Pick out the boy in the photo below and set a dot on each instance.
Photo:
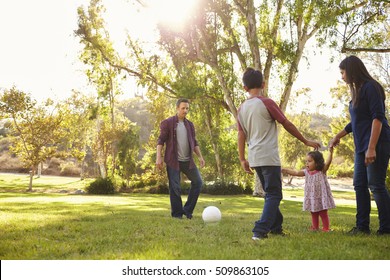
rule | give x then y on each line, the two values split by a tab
256	120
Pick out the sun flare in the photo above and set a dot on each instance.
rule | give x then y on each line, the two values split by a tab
173	12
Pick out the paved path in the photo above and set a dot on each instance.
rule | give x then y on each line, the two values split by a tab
339	184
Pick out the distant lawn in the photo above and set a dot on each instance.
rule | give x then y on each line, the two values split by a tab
49	224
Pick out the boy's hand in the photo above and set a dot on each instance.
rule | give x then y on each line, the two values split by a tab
316	145
245	166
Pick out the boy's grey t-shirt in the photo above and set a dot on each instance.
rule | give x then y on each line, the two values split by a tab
183	147
257	118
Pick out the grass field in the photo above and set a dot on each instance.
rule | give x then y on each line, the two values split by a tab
54	223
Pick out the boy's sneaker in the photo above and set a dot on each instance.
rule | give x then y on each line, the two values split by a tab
259	236
358	231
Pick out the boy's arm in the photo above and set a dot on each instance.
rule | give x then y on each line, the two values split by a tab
288	171
241	152
292	129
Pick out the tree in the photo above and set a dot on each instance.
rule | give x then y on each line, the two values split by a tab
78	123
128	150
366	29
205	60
293	153
37	128
98	50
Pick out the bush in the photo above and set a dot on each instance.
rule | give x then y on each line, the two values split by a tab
70	169
223	188
101	186
159	189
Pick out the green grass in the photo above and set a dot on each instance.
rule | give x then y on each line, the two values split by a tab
49	225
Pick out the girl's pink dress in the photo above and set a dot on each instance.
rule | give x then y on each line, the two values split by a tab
318	195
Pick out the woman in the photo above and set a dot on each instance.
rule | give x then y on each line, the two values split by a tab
371	134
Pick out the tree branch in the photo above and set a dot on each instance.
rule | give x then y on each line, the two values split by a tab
346	49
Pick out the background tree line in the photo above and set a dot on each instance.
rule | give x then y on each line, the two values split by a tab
203	62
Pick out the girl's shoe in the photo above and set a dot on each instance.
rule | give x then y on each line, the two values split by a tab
313	228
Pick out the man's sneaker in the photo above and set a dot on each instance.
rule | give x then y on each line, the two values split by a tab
358	231
259	236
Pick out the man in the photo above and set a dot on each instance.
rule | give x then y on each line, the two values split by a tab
178	134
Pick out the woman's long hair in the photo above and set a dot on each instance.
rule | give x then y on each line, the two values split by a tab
356	75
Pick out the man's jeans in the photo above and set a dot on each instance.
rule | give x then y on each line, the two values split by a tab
372	177
177	209
271	218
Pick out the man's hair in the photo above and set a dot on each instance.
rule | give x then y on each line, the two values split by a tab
318	159
181	100
252	78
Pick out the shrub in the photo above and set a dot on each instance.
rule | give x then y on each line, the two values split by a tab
101	186
223	188
70	169
159	189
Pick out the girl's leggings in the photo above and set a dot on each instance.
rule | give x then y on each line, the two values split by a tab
324	218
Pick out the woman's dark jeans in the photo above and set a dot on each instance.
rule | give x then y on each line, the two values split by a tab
372	177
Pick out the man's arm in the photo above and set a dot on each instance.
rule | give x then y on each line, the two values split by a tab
159	158
200	157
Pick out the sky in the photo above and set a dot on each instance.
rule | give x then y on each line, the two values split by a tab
39	52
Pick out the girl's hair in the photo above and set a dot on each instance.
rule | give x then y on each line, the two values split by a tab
252	78
318	159
356	75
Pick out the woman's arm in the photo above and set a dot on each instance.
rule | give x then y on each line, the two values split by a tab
336	140
375	132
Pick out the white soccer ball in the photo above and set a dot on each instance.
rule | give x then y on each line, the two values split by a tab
211	214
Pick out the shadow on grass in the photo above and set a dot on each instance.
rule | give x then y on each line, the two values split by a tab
140	227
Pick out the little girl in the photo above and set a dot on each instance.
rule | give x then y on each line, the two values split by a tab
318	196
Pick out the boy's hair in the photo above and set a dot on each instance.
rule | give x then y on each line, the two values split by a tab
252	78
181	100
318	159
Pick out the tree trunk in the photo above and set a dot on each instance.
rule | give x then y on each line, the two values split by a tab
32	173
292	73
40	167
214	143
